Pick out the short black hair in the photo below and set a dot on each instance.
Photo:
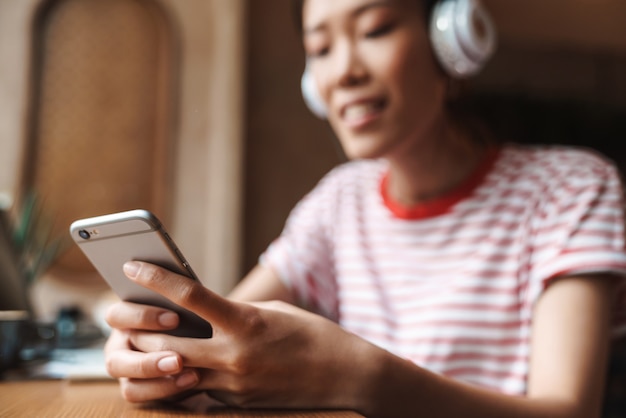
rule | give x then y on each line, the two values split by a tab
298	5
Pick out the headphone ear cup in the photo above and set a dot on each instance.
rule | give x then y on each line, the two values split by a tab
311	95
463	36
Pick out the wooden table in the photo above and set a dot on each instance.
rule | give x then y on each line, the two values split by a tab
60	398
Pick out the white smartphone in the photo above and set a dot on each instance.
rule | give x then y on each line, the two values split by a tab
109	241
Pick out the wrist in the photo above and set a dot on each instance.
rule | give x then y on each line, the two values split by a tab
383	384
360	375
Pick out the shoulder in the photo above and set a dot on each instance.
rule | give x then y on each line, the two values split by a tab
556	164
557	156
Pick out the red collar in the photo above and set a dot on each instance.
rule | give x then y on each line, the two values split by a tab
443	203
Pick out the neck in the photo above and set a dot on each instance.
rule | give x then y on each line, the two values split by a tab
433	167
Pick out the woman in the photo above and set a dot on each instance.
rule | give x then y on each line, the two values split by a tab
493	270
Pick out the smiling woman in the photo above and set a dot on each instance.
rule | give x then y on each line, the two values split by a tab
433	265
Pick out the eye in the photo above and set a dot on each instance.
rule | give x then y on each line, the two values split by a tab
316	46
319	53
380	30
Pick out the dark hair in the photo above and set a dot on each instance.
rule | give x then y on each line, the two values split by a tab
298	5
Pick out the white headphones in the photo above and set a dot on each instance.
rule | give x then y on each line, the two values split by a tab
463	38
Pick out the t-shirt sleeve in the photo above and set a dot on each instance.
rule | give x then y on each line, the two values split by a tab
580	228
302	256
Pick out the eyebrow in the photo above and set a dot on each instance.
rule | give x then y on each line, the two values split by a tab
355	13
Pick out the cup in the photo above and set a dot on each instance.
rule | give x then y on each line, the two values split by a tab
13	325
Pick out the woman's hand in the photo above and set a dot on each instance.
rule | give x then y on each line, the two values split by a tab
265	354
161	373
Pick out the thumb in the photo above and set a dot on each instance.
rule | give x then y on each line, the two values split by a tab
185	292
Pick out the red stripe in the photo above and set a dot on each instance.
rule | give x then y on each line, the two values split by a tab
476	371
402	298
443	341
416	322
502	342
482	288
472	356
604	267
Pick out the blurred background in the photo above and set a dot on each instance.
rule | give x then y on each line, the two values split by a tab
192	109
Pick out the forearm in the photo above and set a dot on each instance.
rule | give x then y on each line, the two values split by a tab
399	388
261	284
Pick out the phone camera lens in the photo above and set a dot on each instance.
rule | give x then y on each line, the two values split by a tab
84	234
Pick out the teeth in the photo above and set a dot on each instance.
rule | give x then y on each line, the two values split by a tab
357	111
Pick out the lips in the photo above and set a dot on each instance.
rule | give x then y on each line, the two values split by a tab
362	111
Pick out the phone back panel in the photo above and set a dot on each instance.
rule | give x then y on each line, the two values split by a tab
136	235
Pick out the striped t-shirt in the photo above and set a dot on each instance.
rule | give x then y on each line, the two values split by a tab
451	285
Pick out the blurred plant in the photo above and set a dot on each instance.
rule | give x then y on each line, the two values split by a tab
33	239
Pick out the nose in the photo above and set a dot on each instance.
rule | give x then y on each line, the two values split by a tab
349	68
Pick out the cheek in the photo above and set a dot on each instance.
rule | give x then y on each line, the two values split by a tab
417	83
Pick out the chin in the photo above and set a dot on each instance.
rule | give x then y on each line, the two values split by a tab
360	152
363	147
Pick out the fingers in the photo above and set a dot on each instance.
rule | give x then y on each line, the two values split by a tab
142	390
136	364
127	315
146	376
193	351
185	292
116	341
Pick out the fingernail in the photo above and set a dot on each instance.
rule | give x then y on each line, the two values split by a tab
168	364
186	379
131	268
168	319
